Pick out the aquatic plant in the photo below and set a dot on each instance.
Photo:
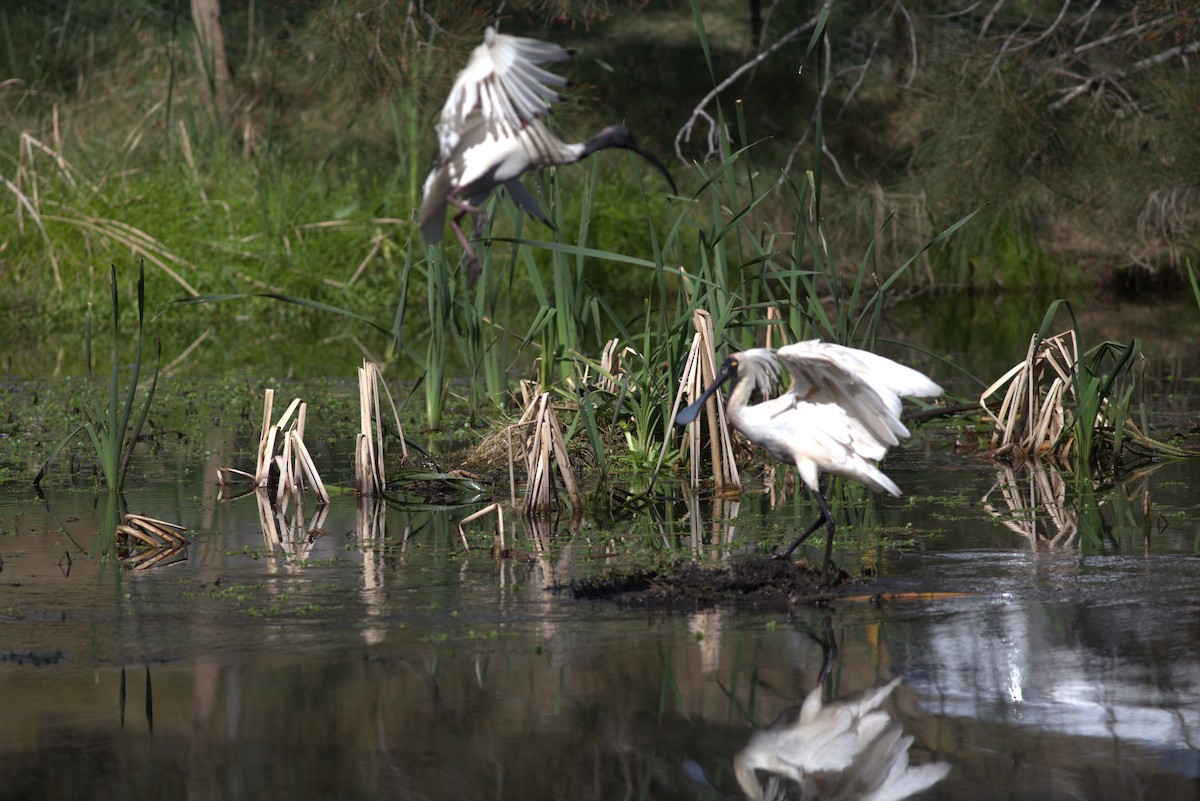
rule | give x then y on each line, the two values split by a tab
112	429
1071	406
145	542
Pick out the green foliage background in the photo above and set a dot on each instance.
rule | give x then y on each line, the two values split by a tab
314	166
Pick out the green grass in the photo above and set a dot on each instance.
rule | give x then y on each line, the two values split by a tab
315	175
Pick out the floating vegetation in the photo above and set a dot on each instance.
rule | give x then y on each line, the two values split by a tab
145	542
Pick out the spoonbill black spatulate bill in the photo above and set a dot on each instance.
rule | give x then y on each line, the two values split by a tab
491	133
840	415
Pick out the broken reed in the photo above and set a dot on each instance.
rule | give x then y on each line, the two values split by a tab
283	467
543	449
145	542
699	371
369	448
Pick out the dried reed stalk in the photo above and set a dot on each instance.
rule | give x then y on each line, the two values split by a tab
1031	420
498	544
544	449
282	455
145	542
700	370
369	446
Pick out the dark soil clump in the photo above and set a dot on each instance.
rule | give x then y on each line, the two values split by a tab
759	583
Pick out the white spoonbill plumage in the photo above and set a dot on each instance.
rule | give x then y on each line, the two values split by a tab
850	750
840	415
491	133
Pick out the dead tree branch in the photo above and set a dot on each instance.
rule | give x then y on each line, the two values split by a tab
1097	81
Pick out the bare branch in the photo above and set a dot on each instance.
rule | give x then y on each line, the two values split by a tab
1096	81
1085	21
1046	33
987	21
1112	37
685	133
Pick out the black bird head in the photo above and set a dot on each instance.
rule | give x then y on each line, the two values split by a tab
692	410
620	136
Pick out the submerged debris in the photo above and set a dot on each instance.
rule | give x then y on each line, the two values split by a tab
144	542
751	582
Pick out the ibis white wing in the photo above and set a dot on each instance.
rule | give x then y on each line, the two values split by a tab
490	123
504	84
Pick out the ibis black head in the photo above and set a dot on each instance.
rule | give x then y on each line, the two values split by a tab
692	410
620	136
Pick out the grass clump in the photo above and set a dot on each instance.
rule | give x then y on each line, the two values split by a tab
112	429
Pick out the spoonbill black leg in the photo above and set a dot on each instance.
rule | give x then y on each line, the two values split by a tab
826	518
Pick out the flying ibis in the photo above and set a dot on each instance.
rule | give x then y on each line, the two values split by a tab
491	133
840	415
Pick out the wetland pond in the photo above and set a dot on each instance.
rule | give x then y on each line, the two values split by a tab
1049	647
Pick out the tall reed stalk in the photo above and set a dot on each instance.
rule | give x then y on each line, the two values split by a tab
112	429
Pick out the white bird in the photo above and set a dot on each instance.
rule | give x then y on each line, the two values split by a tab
849	750
491	133
840	415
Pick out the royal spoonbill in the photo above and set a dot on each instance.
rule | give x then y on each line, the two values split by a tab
491	133
840	415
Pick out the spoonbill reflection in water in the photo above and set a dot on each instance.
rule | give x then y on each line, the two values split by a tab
846	750
840	415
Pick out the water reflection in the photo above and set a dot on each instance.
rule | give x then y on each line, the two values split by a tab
1050	509
852	750
365	654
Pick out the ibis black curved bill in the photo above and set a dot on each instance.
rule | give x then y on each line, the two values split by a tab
620	136
690	412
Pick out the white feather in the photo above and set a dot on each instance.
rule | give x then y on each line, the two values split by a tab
840	414
843	751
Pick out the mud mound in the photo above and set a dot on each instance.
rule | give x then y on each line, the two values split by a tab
759	583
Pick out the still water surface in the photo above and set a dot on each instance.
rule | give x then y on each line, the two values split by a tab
382	661
1047	651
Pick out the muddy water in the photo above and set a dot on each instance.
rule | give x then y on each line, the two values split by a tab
1049	647
375	658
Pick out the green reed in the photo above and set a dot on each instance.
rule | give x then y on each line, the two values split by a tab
112	428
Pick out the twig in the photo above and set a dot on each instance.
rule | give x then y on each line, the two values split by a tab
1096	81
685	133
